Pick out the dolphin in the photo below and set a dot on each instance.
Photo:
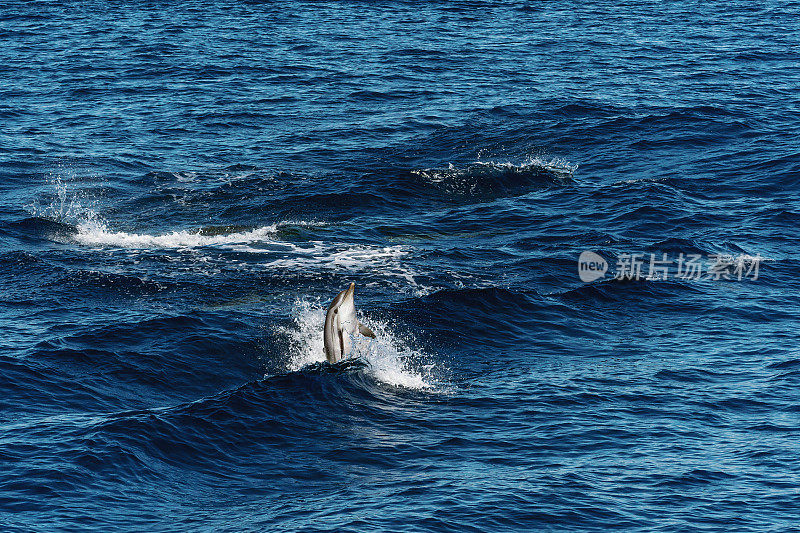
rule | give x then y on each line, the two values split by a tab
341	325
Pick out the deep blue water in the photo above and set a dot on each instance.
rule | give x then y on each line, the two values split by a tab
184	187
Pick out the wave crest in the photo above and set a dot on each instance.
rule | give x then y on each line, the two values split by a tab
482	178
94	232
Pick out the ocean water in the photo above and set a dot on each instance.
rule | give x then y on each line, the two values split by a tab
184	187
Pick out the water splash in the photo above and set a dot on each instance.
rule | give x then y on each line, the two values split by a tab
390	357
64	205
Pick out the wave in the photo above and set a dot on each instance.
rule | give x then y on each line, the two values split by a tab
485	299
478	317
97	233
625	290
68	218
482	178
281	255
36	227
278	254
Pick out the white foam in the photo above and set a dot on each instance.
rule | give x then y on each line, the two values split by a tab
390	358
264	240
92	232
342	256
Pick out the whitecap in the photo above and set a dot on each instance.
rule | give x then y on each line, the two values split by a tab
93	232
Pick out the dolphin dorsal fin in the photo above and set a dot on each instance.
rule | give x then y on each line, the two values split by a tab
364	330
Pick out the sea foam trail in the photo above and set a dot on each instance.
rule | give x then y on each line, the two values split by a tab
389	357
315	255
96	233
348	256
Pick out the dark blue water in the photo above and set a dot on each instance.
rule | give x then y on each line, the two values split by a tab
185	186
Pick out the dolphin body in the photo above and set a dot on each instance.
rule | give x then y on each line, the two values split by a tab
341	325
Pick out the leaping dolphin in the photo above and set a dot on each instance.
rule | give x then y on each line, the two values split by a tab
341	325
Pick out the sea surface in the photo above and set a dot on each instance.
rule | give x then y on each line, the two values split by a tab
185	186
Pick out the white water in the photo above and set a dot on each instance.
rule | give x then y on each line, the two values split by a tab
390	357
93	232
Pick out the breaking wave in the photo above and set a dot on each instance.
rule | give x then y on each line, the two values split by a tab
97	233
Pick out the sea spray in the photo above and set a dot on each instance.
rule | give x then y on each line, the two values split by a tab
390	358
